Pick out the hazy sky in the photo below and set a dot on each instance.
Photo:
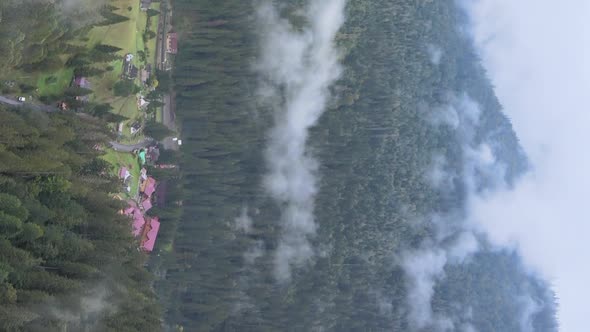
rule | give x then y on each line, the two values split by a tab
537	53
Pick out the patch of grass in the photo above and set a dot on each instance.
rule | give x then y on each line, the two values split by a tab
151	44
126	35
125	106
54	83
167	247
159	114
140	26
103	84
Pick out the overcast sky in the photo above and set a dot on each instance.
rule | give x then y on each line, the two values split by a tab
537	53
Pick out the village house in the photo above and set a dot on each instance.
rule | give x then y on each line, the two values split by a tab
153	154
141	102
144	227
172	43
145	73
150	233
148	186
144	76
134	128
144	5
129	70
81	82
125	176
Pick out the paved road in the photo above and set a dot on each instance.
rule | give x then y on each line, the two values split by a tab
168	117
129	148
9	101
116	146
38	107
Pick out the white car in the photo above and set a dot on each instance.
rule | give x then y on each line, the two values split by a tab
21	99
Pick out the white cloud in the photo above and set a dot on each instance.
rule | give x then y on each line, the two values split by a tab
435	53
298	66
243	222
422	268
254	252
536	53
454	240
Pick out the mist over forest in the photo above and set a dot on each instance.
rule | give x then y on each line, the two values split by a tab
336	165
335	152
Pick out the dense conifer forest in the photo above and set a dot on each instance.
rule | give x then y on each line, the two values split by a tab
405	63
67	258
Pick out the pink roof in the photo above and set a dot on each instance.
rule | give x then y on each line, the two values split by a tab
138	222
129	211
152	234
81	82
150	187
146	204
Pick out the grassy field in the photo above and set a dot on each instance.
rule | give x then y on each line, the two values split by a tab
151	44
125	106
127	36
102	85
122	35
54	83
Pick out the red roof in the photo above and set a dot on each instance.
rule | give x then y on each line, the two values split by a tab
152	234
122	172
172	42
81	82
138	221
146	204
150	186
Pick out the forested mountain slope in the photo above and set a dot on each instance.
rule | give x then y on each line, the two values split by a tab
399	150
67	258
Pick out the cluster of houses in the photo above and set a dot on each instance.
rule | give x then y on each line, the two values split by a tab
131	72
144	227
77	82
